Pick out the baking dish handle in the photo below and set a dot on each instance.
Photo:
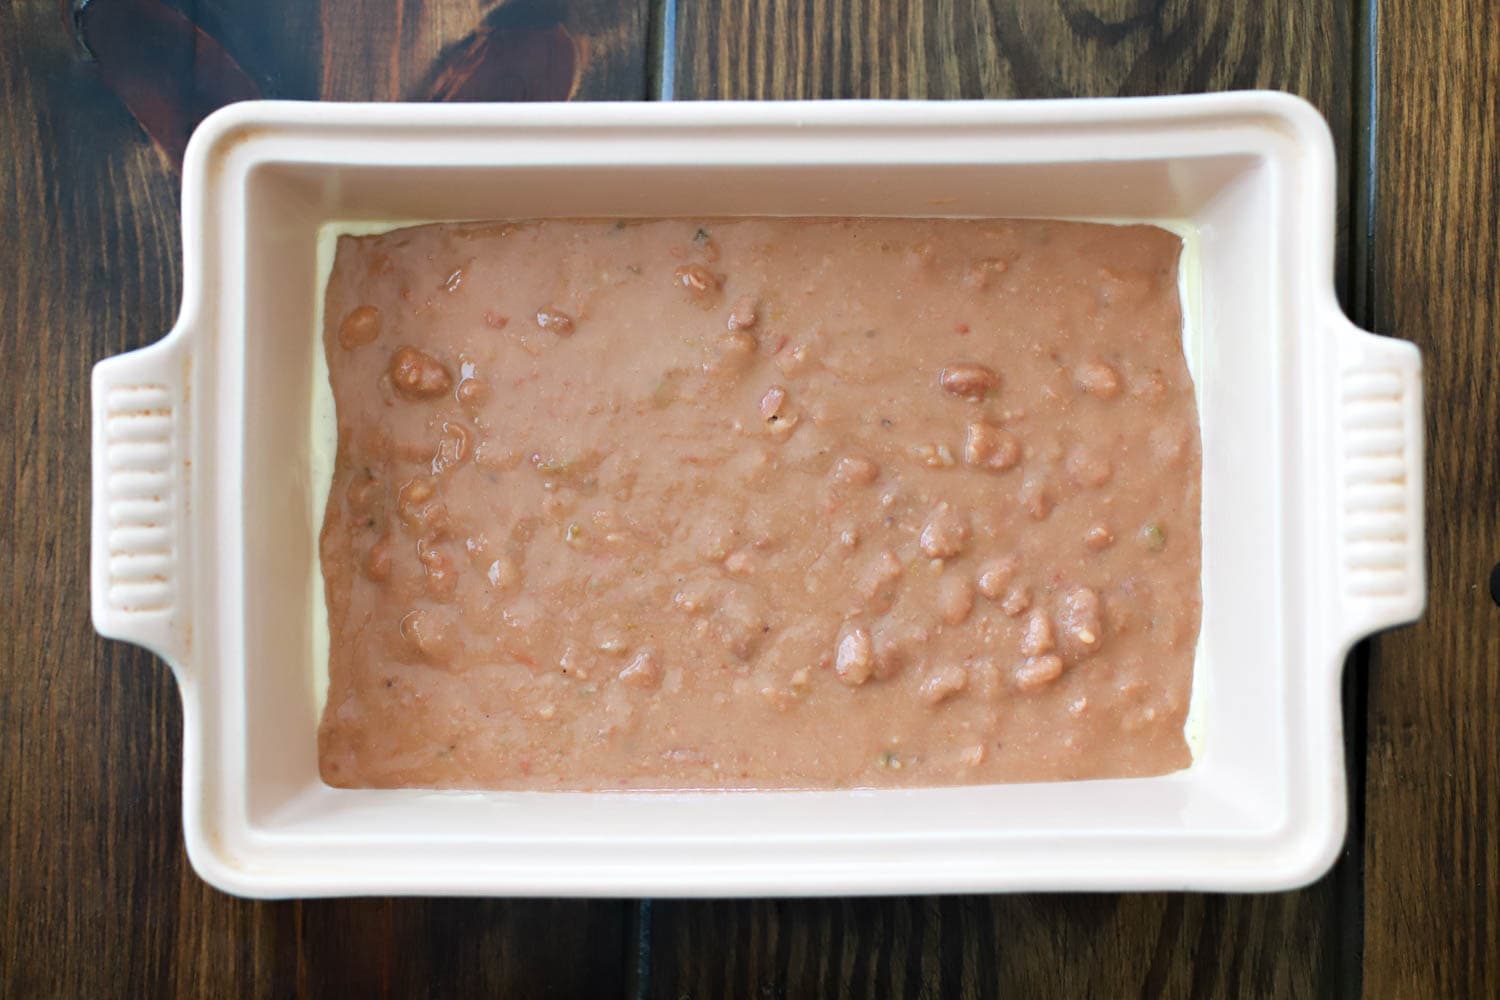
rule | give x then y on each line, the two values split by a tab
138	592
1380	568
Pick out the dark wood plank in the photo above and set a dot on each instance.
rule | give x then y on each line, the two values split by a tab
377	50
1432	841
96	896
1295	944
966	49
942	49
978	946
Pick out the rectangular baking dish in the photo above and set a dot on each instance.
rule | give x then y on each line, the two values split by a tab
205	507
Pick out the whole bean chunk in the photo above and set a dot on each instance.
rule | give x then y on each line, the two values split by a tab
471	391
934	455
740	623
453	447
360	327
995	575
1040	637
1098	380
442	578
854	657
378	562
878	576
418	375
1081	616
898	642
992	448
732	354
1088	467
1036	497
1038	671
419	506
971	381
946	532
429	635
1016	602
503	573
943	683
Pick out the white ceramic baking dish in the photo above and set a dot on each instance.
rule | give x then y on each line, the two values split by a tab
205	504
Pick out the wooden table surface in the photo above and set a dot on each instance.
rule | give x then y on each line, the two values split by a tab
96	896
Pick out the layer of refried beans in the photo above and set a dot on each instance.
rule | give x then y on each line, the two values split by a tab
765	503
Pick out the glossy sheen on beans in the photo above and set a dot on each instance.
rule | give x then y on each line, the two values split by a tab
758	503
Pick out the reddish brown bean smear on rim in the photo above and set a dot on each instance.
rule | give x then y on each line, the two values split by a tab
758	503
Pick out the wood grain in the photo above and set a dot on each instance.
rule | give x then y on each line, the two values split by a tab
940	49
1160	945
96	896
1295	944
387	50
966	49
169	73
1432	839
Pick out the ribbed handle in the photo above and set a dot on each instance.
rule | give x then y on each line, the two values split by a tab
140	465
1381	567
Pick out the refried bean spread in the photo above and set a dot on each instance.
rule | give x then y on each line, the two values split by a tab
758	503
